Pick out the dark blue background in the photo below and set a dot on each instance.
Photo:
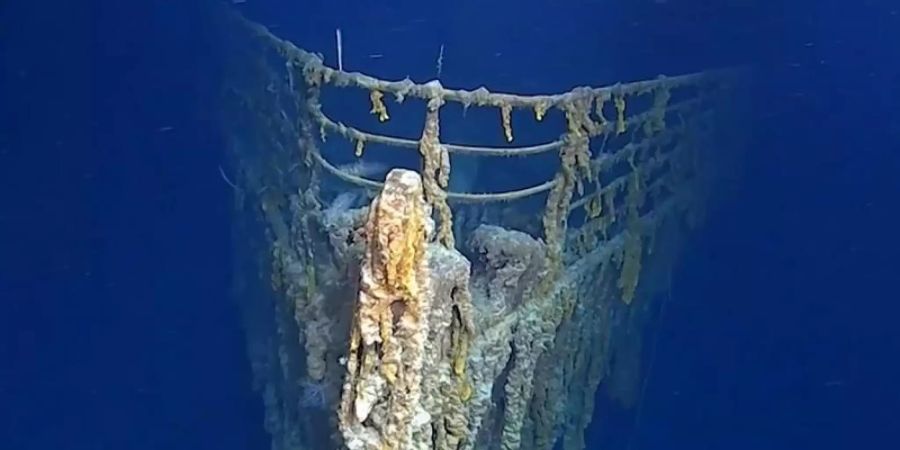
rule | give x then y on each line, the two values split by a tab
115	327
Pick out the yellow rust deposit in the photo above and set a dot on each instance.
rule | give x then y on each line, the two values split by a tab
599	103
633	249
540	110
575	157
657	121
378	107
360	147
460	348
436	171
384	364
506	118
620	113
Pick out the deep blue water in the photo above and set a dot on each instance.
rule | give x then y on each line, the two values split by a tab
115	328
